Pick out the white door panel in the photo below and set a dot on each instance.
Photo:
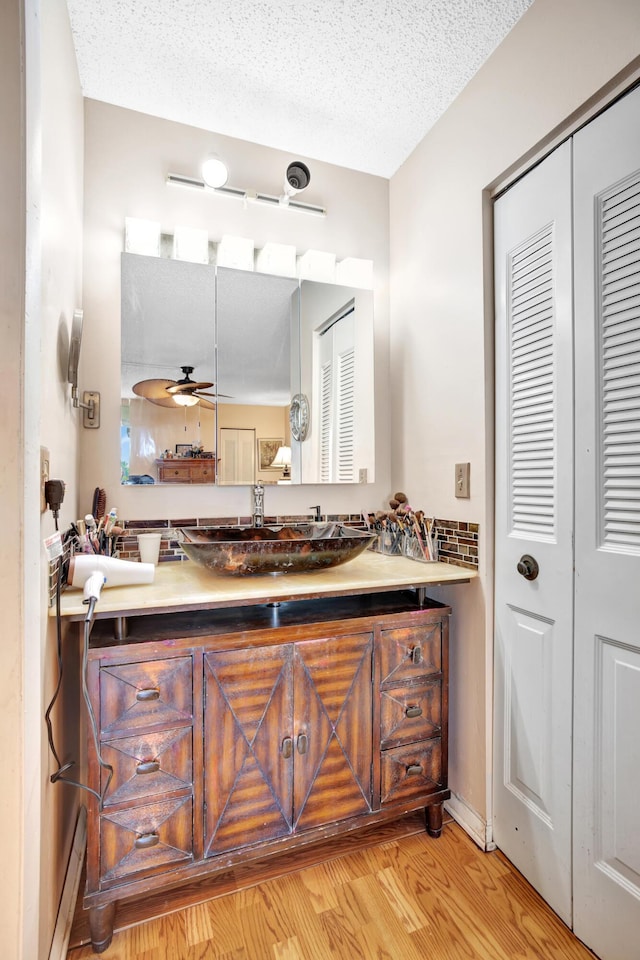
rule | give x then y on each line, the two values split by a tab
534	516
607	457
529	738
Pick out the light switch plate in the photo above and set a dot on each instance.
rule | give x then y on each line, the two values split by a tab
463	472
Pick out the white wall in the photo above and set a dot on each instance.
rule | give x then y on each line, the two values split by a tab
12	260
60	292
127	158
558	55
40	244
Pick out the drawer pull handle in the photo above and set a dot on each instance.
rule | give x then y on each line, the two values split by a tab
414	770
150	693
148	766
287	747
302	743
146	840
416	655
413	712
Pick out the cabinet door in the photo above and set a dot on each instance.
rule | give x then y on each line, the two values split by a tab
247	747
332	729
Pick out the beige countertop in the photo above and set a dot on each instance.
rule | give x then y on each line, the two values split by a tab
186	586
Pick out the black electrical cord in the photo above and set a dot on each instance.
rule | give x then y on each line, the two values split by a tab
47	715
57	776
88	622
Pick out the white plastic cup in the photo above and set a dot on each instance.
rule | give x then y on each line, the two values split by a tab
149	547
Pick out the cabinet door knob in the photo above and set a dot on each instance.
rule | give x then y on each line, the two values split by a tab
150	693
148	766
416	654
287	747
413	712
303	742
414	769
146	840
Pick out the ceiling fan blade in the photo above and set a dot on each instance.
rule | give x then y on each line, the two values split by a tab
205	403
203	393
152	389
188	387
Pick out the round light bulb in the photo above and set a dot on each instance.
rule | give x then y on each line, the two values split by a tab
185	399
214	172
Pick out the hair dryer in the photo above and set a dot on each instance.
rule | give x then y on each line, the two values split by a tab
93	571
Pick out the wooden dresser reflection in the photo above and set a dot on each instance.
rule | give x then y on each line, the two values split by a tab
186	470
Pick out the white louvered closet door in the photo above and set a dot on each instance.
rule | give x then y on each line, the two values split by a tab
534	513
337	402
607	615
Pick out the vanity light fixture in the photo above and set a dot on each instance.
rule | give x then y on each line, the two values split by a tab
191	244
214	172
179	180
142	236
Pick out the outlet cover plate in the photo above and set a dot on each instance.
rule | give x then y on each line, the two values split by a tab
45	474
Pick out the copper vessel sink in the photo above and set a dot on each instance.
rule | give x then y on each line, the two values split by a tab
274	548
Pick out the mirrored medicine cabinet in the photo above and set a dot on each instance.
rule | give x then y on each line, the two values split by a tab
276	362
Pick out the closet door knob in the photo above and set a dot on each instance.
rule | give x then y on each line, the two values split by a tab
528	567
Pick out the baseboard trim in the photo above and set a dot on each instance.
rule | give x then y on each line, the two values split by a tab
62	932
470	821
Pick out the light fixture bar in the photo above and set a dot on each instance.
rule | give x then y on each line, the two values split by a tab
179	180
295	204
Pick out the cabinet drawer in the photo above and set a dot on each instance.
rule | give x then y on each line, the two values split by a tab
144	838
410	653
410	771
136	696
202	474
147	765
410	713
173	475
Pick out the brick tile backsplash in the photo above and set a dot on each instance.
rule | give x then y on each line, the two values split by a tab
458	542
457	539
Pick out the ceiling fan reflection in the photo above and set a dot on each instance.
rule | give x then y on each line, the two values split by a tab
171	393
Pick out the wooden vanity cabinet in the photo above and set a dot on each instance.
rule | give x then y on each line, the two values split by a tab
230	735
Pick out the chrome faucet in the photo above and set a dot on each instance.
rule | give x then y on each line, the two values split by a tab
258	505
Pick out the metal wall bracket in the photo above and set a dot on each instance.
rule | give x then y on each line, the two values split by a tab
90	409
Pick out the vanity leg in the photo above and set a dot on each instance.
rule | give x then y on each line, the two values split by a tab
101	926
433	818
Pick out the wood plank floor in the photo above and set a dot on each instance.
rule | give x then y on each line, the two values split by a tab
404	897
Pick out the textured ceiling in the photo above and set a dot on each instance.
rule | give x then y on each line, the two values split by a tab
357	83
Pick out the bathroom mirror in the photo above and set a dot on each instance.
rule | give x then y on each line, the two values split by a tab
272	362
